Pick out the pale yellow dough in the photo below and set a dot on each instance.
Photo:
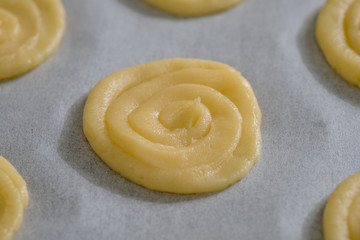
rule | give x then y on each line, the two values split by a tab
30	31
342	212
192	8
338	35
176	125
13	199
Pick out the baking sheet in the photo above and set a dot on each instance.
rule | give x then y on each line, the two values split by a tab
310	125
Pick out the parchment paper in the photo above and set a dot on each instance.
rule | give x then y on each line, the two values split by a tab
310	125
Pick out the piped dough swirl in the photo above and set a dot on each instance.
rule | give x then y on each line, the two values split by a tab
13	199
342	211
177	125
338	34
30	31
193	8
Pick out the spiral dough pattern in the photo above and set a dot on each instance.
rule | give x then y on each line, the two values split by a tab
30	31
342	211
13	199
178	125
338	35
193	8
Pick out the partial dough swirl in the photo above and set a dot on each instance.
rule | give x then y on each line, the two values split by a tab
178	125
342	212
13	199
30	31
338	35
192	8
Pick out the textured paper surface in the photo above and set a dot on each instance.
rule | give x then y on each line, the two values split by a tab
310	125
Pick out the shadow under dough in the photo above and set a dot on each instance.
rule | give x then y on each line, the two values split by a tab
315	61
75	150
313	226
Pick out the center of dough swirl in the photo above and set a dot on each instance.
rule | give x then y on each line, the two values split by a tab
186	115
183	122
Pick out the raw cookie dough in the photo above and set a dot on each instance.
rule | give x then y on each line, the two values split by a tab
338	35
13	199
342	212
176	125
192	8
30	31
